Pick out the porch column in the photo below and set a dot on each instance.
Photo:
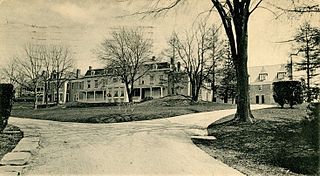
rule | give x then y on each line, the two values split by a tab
43	96
161	92
94	95
151	92
86	96
140	93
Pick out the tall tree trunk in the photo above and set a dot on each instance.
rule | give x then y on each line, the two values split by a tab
129	93
213	84
198	88
243	100
57	92
213	98
243	104
35	97
225	97
308	68
46	93
238	40
193	91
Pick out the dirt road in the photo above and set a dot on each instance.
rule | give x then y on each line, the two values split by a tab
156	147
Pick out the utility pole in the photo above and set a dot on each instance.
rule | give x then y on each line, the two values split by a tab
290	68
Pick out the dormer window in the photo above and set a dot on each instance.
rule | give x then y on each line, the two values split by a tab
263	76
92	73
281	75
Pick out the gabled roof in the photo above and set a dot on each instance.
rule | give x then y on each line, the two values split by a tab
270	70
95	72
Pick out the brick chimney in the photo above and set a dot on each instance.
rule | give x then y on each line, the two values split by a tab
78	73
90	68
178	66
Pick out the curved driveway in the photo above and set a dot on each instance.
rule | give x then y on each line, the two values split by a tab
155	147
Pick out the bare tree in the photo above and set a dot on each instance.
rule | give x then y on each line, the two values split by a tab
40	62
175	80
14	76
31	68
60	59
299	6
126	53
193	52
216	51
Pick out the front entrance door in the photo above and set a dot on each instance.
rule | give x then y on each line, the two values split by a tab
257	99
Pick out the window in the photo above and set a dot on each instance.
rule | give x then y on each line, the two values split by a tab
257	99
116	93
92	73
263	76
151	79
121	93
114	80
141	81
281	75
88	84
161	77
95	83
104	82
72	85
82	85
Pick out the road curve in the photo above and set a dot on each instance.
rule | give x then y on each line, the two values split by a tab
155	147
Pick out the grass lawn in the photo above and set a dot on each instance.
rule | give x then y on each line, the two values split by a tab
8	141
273	145
152	109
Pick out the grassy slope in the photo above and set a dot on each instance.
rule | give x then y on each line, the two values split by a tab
273	145
9	141
158	108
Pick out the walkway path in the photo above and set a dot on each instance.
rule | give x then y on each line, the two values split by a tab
156	147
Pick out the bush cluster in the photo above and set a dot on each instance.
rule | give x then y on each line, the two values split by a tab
6	100
311	125
288	92
87	105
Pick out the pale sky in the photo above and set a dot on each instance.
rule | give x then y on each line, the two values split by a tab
83	24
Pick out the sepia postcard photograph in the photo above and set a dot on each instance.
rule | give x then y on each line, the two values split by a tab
159	87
